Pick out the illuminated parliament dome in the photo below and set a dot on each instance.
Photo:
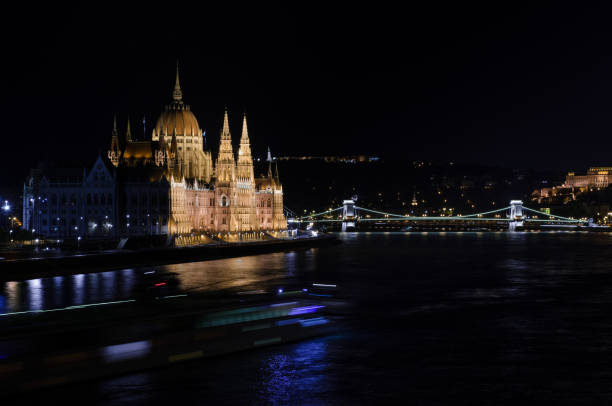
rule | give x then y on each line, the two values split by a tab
179	117
177	124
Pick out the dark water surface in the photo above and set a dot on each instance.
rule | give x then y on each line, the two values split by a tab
461	318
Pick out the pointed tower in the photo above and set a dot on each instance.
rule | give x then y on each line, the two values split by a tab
414	202
225	185
177	94
245	160
114	151
269	159
162	139
245	182
276	177
128	133
225	160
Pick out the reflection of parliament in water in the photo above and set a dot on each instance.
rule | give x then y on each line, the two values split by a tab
80	289
165	185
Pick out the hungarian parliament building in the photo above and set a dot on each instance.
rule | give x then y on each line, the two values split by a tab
166	185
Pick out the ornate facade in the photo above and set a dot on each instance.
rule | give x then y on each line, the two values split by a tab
71	202
219	197
596	177
168	184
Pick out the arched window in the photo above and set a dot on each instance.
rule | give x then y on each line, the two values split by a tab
109	199
102	199
63	198
96	198
53	198
224	204
269	202
88	198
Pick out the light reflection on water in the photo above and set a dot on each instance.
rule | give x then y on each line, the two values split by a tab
288	377
58	282
517	254
79	293
35	293
11	292
438	319
232	272
126	278
258	271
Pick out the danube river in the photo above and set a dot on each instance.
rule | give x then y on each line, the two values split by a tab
438	318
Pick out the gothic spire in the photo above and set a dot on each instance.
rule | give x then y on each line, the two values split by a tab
115	125
225	166
113	152
225	134
269	159
128	133
177	94
244	139
276	171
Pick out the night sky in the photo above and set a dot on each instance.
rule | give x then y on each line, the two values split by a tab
517	86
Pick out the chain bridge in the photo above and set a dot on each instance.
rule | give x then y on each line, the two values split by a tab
512	216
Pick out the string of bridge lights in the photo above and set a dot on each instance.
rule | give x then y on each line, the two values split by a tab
395	216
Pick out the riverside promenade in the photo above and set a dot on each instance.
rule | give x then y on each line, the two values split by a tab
86	262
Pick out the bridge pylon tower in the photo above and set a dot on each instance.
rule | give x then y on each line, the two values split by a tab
349	215
516	214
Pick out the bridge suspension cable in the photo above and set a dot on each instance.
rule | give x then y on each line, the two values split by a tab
484	213
288	212
466	216
475	216
379	212
551	215
322	213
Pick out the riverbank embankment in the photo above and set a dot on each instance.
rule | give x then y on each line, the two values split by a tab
73	263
